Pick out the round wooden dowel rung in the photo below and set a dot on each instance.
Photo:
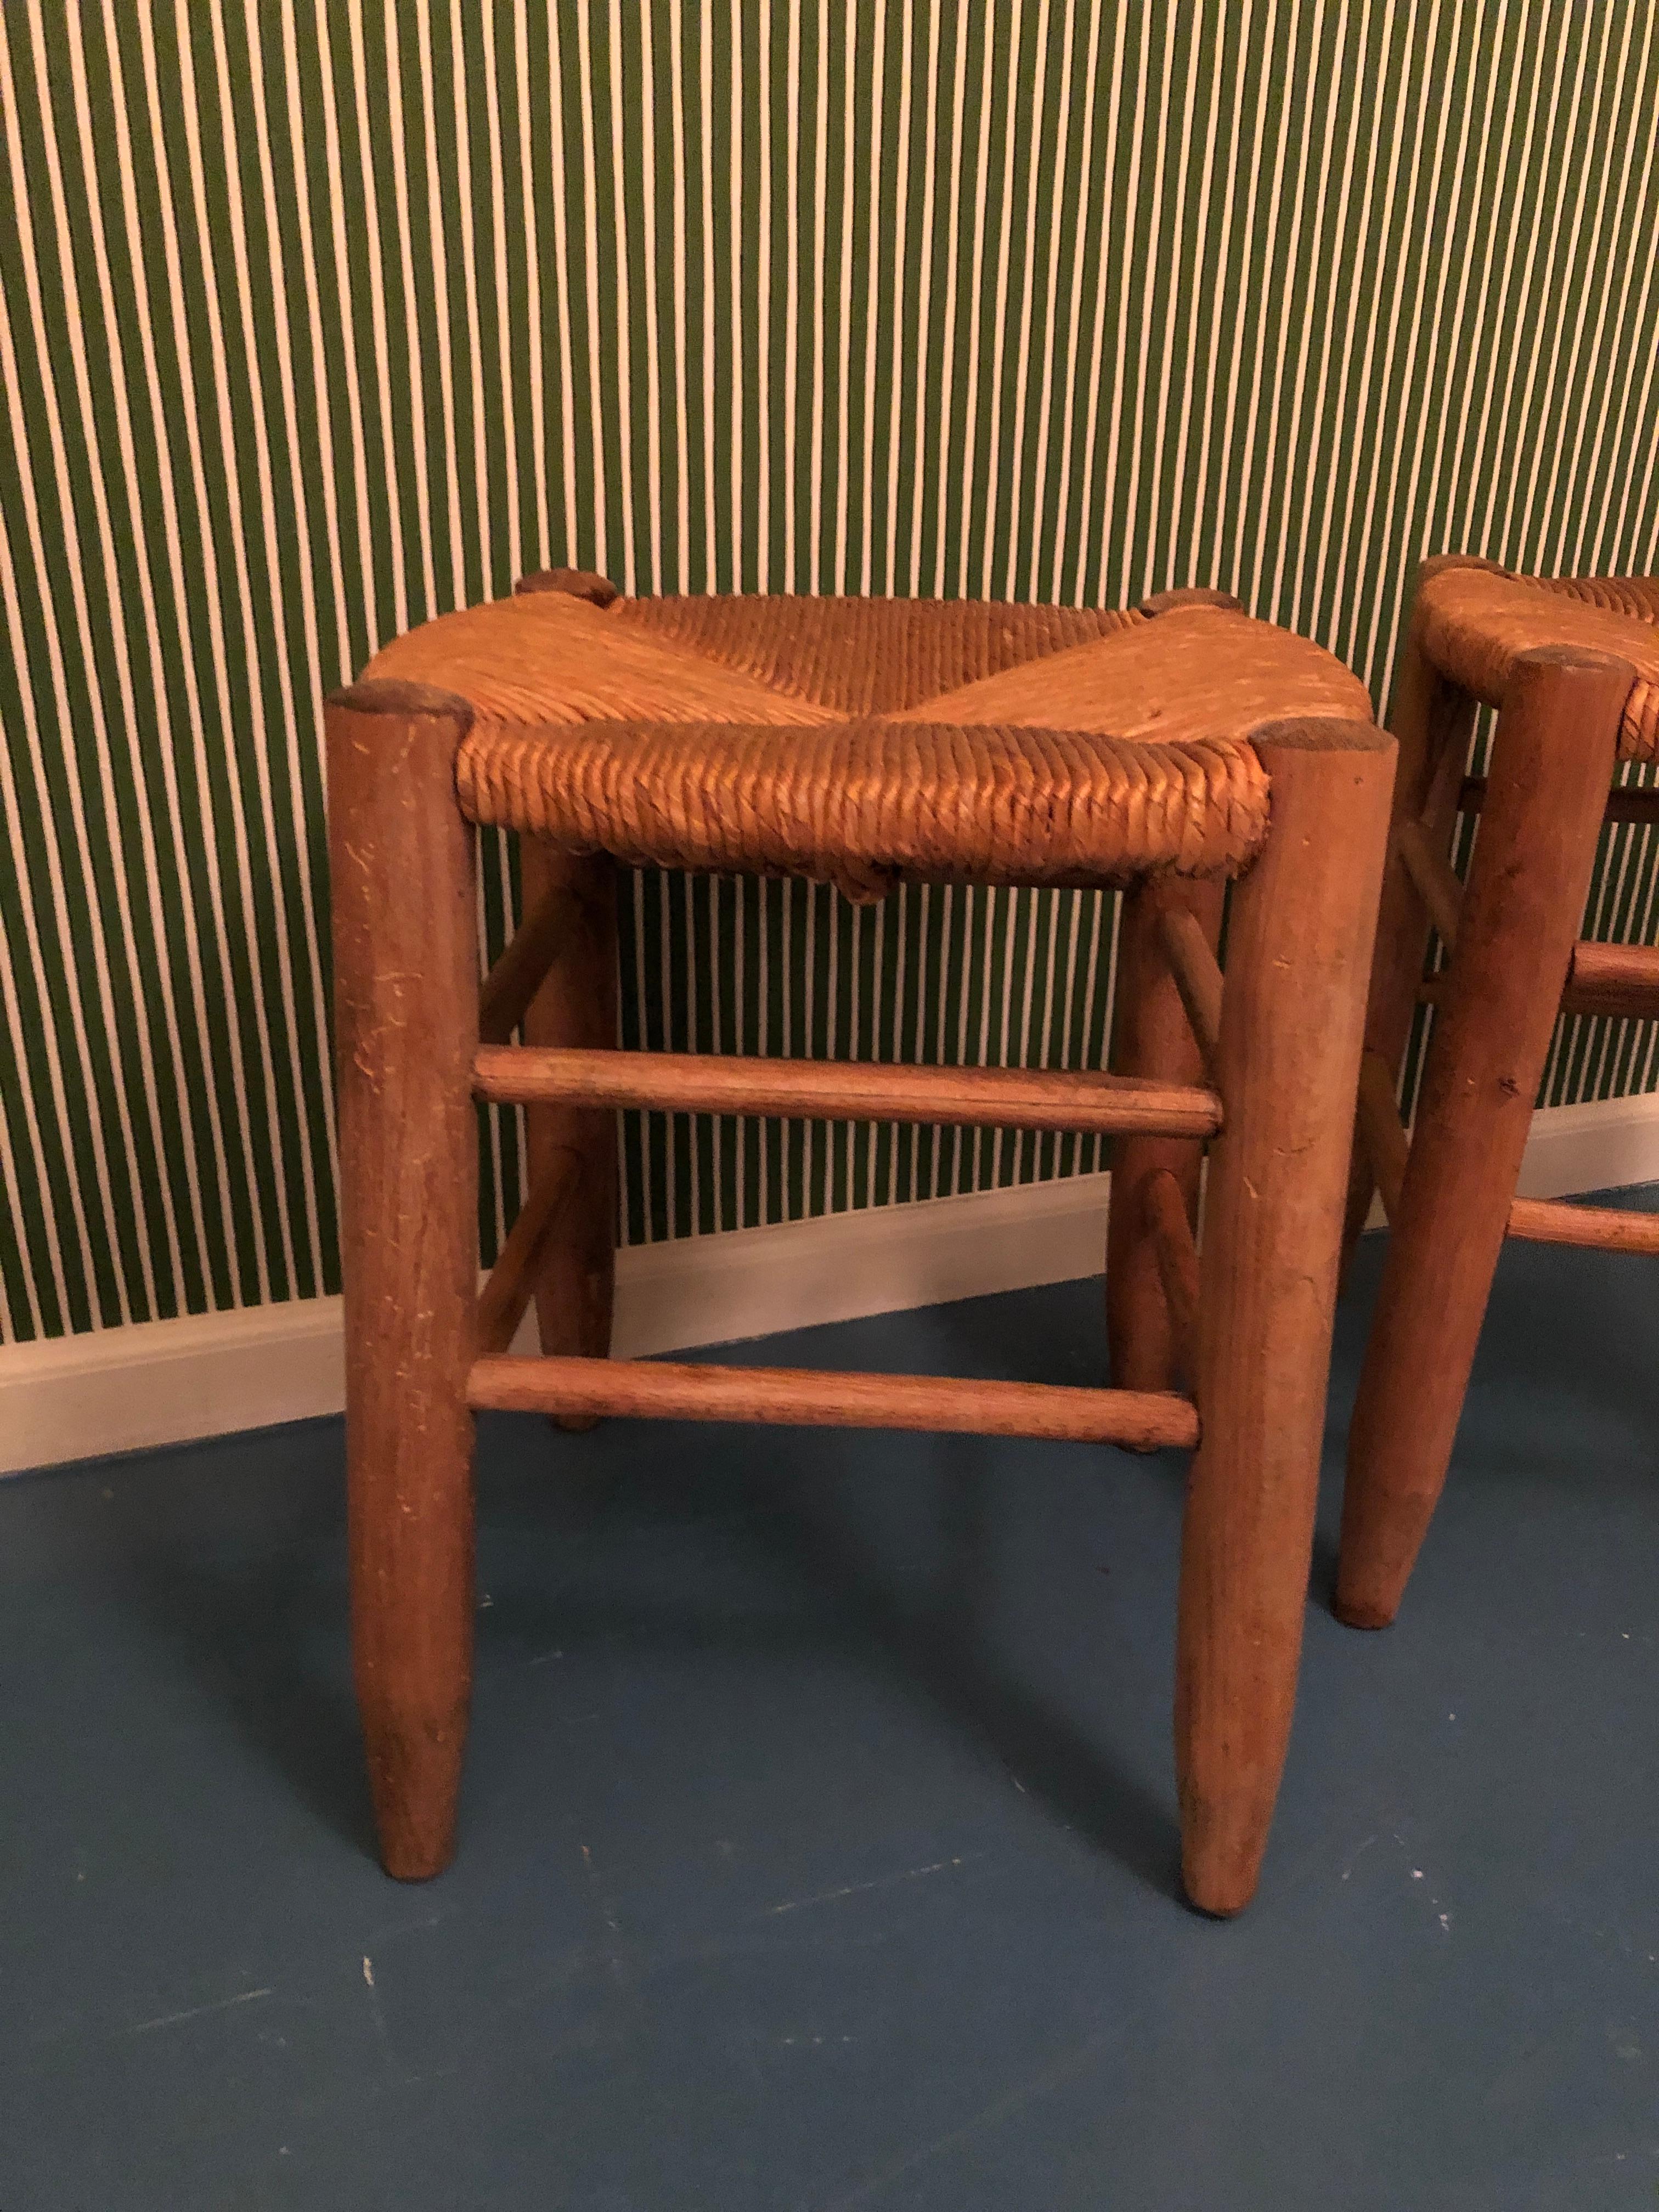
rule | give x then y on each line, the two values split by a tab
1625	802
1380	1128
505	1298
1177	1266
816	1090
1197	975
517	975
656	1389
1593	1228
1431	874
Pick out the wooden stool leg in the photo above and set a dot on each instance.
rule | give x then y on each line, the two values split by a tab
1433	721
576	1005
1152	1037
406	1026
1552	761
1299	947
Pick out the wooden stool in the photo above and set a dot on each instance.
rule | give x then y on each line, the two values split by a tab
1572	665
862	741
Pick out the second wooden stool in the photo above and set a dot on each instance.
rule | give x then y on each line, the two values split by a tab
1572	665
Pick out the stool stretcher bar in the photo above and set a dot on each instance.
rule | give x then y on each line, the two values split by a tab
818	1089
1432	875
505	1298
1177	1255
517	975
1596	1228
1614	979
1625	802
660	1389
1381	1131
1532	1220
1197	978
1618	980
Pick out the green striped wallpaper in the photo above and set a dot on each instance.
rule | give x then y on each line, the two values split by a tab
321	316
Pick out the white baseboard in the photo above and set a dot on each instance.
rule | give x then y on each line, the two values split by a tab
1609	1145
752	1282
168	1381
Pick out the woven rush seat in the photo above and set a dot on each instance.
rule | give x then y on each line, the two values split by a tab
1475	620
863	741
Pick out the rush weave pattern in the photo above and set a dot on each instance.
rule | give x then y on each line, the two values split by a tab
1476	620
863	741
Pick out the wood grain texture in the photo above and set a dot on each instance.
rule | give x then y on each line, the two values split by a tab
1191	595
1152	1042
1432	879
548	922
1433	722
1190	947
1170	1224
664	1390
575	1006
1380	1131
715	1083
406	1010
1620	981
1552	761
576	583
1593	1228
505	1298
1625	802
1299	947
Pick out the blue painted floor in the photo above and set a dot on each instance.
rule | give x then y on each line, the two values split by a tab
819	1846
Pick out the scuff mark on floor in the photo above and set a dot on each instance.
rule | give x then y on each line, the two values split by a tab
607	1914
384	2039
1356	1856
880	1881
195	2012
999	2109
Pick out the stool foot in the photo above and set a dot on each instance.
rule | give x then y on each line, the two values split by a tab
1355	1612
415	1781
